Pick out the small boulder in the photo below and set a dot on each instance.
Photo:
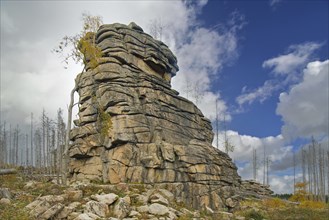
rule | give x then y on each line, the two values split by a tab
30	185
158	198
143	209
158	209
231	203
167	194
40	208
5	201
5	193
87	216
66	211
50	213
74	195
122	208
134	214
106	198
97	208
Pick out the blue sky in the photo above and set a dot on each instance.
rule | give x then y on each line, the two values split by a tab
264	62
268	32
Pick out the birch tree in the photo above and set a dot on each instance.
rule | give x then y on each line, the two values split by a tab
84	50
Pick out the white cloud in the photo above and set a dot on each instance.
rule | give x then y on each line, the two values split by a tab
304	109
7	24
260	94
33	78
202	55
286	69
274	3
278	152
296	58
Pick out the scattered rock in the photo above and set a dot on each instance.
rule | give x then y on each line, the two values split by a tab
53	211
74	195
106	198
87	216
224	215
134	213
5	201
158	198
97	208
122	207
143	209
30	185
231	203
40	208
67	210
158	209
5	193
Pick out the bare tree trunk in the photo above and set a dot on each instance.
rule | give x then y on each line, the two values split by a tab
10	146
217	125
5	144
254	160
309	170
7	171
267	170
303	165
67	137
60	133
16	146
27	150
32	151
264	165
43	154
294	165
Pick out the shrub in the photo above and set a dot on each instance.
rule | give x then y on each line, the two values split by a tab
253	214
313	204
274	203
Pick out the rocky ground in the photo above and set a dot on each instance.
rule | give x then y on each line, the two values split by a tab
23	198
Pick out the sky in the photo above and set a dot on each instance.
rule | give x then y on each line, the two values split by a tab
265	63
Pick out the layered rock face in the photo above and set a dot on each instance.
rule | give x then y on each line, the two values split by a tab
134	128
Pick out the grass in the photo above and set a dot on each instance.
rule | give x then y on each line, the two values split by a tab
277	209
15	210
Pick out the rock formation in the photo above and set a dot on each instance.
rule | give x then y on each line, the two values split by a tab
134	128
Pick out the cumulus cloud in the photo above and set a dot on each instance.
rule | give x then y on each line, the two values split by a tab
295	58
260	94
204	53
280	157
304	109
286	69
33	78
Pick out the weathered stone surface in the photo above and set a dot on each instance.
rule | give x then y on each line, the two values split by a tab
87	216
97	208
67	210
122	207
158	209
40	208
5	193
108	199
52	212
74	195
255	189
153	135
158	198
5	201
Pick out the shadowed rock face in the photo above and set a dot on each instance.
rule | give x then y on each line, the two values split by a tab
134	128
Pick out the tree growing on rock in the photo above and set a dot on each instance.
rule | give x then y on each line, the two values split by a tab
82	48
